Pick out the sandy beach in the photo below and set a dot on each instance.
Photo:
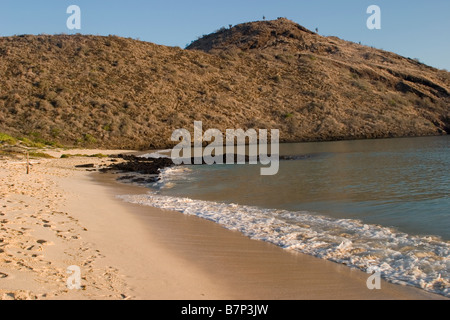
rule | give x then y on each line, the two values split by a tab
60	216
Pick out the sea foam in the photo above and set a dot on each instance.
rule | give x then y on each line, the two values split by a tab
420	261
401	258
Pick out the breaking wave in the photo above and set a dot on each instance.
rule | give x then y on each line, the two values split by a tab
401	258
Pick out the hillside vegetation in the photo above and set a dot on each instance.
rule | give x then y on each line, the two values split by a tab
95	91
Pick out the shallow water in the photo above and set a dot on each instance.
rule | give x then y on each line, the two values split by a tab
378	205
404	183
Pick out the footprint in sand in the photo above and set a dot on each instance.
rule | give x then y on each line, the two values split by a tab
8	296
3	275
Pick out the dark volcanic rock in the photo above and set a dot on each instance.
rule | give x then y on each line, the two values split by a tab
139	165
296	157
247	159
136	179
91	165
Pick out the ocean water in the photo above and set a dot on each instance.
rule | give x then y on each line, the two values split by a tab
375	205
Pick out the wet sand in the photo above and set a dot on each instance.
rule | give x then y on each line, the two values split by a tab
60	216
241	268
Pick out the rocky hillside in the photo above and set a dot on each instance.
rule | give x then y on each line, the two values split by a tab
113	92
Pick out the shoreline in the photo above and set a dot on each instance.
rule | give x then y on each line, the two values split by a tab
255	269
128	251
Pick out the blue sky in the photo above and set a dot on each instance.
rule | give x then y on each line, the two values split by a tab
415	28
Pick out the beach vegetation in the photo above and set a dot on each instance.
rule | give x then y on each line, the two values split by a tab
40	155
78	155
7	139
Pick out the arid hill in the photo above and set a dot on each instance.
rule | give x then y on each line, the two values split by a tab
113	92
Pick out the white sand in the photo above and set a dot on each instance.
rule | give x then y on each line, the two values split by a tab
59	216
83	226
